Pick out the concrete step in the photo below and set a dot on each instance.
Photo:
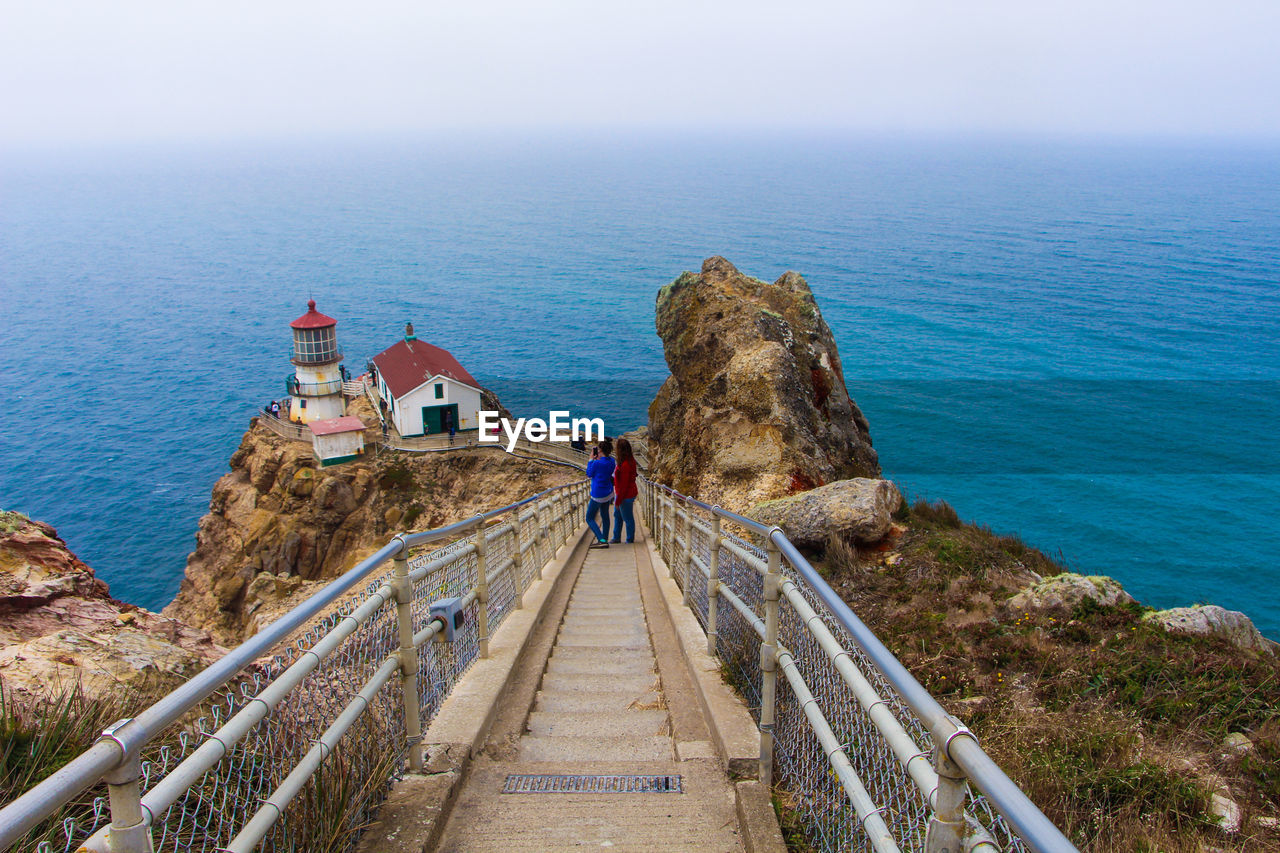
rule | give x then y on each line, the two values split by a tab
607	658
595	748
595	641
630	684
594	701
640	662
605	631
599	724
613	602
604	613
574	622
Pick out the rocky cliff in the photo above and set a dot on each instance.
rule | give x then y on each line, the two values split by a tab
59	624
1132	728
278	524
756	406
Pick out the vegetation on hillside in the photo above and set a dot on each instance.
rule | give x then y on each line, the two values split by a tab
1118	729
38	738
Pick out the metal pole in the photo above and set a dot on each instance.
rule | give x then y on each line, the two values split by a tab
517	562
687	559
129	833
713	584
402	589
667	510
544	538
769	661
947	825
482	590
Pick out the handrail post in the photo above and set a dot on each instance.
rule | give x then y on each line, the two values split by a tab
403	591
769	661
517	562
129	833
668	512
713	583
482	589
544	539
947	824
687	558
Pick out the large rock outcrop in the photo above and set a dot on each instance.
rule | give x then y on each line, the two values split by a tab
1210	620
59	625
858	511
278	524
756	406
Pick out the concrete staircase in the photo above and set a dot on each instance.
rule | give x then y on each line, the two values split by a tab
601	699
600	709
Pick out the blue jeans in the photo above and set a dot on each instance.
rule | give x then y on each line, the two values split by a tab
622	513
594	507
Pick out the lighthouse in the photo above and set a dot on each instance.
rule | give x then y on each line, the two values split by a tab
316	383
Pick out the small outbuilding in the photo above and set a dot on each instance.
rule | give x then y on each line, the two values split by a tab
424	388
337	440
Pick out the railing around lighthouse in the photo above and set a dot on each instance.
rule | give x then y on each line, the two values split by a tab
329	701
868	758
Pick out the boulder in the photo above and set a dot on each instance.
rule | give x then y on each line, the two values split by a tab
756	406
1212	620
859	510
1068	591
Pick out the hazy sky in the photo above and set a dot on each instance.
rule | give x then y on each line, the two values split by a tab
123	70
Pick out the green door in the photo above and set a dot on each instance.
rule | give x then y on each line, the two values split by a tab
438	419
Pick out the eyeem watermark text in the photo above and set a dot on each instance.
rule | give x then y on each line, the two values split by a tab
558	427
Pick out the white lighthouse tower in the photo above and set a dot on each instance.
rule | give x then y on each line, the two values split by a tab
316	384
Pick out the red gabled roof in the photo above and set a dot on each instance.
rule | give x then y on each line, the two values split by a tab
331	426
313	319
407	364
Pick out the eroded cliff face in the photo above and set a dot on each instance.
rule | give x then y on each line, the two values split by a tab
278	524
756	406
59	624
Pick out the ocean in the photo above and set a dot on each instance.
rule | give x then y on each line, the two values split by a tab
1075	341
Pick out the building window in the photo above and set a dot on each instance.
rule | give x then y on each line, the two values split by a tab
439	390
302	403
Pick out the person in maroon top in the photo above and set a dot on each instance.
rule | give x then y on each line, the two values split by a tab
624	490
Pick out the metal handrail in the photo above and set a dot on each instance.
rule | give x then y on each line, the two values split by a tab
293	387
956	756
114	758
283	427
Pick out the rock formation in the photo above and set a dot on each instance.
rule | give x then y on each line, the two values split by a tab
1210	620
1068	591
858	510
756	406
59	624
278	524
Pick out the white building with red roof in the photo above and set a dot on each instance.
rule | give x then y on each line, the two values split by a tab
316	384
337	440
425	389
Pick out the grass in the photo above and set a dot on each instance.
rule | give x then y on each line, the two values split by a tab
38	737
10	521
1111	725
791	823
397	476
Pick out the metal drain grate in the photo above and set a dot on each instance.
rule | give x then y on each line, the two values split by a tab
549	783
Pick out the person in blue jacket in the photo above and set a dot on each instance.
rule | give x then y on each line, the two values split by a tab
600	469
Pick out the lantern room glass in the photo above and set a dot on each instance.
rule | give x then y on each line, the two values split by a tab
315	346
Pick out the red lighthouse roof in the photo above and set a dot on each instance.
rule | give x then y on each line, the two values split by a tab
313	319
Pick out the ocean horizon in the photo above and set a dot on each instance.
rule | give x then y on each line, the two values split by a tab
1077	342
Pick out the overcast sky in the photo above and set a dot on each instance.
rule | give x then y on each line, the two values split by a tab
121	70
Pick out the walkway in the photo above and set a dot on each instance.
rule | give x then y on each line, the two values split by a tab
601	708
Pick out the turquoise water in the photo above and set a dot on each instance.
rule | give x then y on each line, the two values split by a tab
1079	343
